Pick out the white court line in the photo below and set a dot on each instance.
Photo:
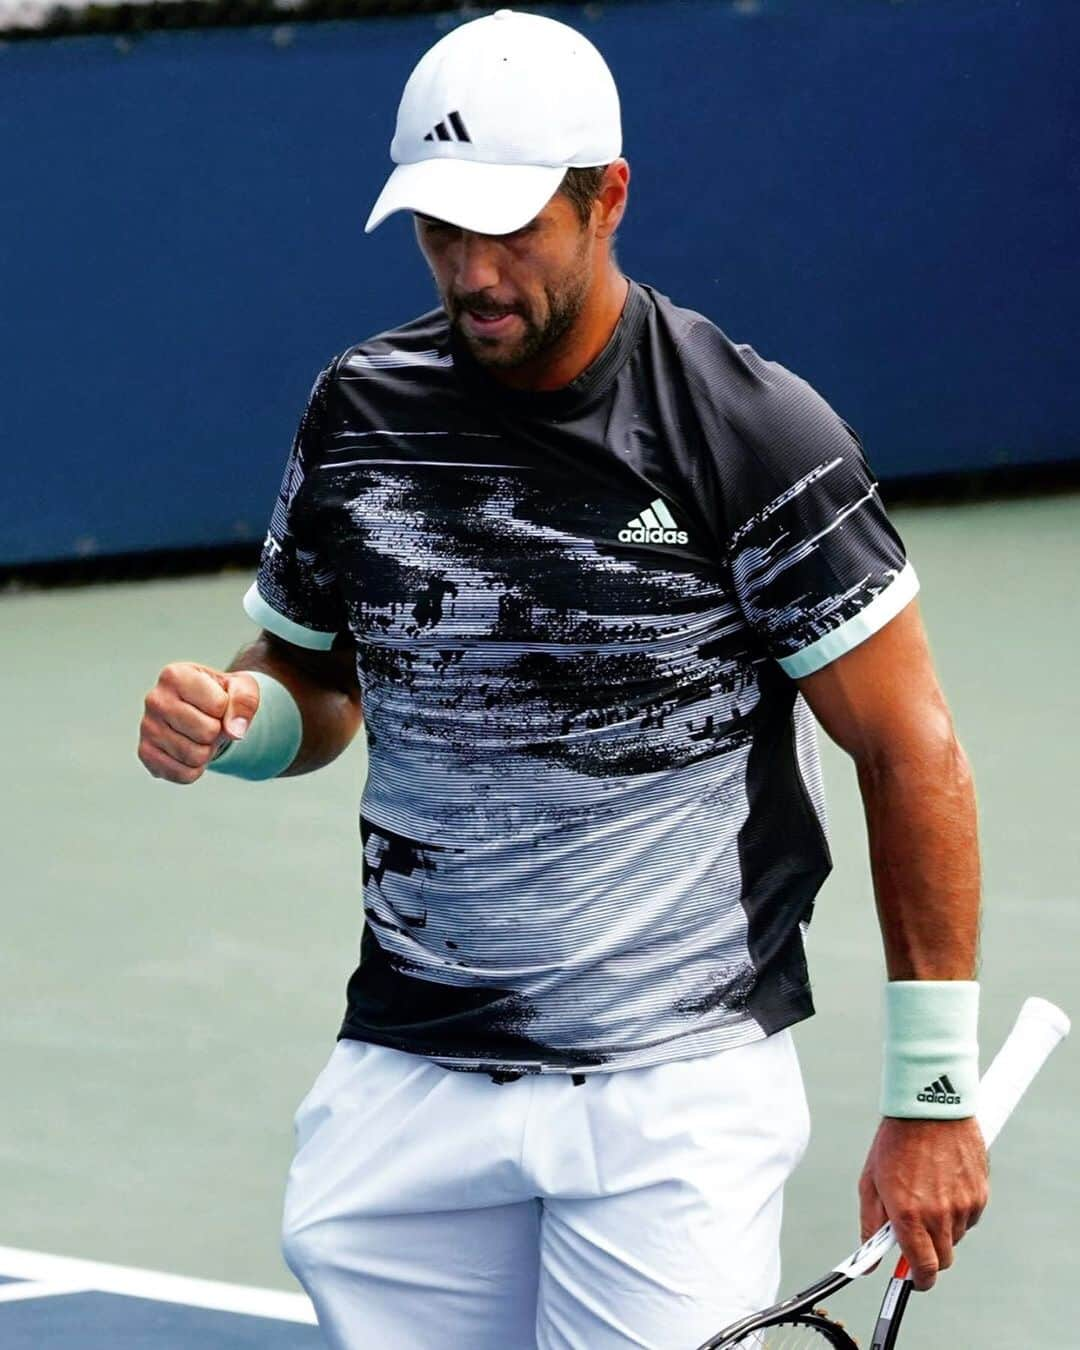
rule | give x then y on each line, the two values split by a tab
17	1293
69	1271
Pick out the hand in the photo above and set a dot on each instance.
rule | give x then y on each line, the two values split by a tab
191	714
929	1177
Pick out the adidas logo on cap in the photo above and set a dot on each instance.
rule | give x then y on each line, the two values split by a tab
655	525
456	131
941	1092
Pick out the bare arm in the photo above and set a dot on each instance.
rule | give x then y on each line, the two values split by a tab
881	702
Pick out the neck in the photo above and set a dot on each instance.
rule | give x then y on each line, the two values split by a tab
579	347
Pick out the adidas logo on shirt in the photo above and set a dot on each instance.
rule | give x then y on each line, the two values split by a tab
941	1092
655	525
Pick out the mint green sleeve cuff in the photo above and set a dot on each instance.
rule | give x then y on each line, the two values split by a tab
272	740
256	608
885	606
930	1067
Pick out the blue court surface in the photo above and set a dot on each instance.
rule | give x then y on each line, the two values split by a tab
48	1302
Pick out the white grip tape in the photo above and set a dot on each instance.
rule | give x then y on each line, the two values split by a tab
1039	1027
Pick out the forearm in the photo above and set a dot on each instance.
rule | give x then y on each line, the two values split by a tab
324	687
881	702
923	834
927	1176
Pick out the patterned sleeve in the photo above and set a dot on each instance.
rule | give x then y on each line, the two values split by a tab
817	565
294	595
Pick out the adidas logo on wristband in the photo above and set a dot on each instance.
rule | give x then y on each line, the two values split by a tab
941	1092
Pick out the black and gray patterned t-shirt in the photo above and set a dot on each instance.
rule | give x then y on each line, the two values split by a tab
593	824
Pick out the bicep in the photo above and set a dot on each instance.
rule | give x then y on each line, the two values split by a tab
881	698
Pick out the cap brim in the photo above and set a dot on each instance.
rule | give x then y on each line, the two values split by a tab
485	198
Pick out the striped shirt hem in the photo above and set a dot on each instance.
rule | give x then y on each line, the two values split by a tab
691	1046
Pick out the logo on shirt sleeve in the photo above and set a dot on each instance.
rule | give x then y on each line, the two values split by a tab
655	525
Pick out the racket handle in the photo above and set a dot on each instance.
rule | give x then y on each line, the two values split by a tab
1039	1027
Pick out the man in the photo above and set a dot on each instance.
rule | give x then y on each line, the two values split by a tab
586	566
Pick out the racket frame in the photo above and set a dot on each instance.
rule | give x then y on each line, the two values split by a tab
897	1293
799	1305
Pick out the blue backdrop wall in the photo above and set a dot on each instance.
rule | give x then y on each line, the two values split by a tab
882	196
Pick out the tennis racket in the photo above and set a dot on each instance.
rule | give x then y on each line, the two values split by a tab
797	1323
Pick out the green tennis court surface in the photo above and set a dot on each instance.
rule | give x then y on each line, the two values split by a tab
174	959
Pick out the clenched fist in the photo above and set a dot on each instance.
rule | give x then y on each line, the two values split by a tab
191	713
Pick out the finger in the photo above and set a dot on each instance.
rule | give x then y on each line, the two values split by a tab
164	707
980	1202
943	1244
964	1221
970	1209
178	748
243	702
921	1253
198	685
160	765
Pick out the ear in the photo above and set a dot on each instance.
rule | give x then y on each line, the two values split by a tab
610	204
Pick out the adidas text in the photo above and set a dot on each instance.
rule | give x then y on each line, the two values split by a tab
655	525
640	535
940	1092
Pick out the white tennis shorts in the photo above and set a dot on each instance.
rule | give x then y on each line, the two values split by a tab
431	1209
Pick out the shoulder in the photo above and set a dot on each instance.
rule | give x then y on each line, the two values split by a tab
773	413
704	350
388	374
421	343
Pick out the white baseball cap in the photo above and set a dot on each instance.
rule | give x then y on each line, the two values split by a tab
491	118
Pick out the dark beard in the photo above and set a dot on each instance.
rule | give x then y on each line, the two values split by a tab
564	307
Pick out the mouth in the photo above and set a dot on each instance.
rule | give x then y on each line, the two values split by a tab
487	324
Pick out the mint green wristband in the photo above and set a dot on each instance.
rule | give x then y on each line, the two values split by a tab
930	1068
272	739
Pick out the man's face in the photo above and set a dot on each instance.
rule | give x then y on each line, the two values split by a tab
511	297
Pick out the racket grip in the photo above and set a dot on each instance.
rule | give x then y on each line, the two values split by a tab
1039	1027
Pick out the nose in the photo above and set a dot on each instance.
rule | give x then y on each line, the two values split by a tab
477	262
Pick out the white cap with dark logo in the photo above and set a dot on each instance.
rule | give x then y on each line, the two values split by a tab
492	117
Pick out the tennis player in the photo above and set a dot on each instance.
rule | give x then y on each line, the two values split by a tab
588	570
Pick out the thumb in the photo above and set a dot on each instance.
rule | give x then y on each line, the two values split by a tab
243	693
